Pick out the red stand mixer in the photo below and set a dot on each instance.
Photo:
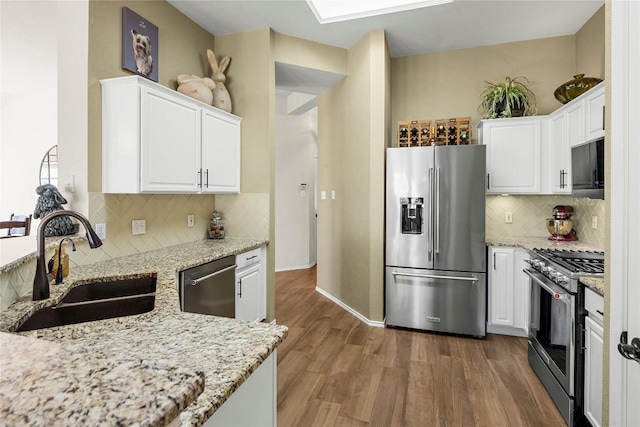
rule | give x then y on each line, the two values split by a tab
561	225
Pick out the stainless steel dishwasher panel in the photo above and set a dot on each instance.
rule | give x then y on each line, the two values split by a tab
209	288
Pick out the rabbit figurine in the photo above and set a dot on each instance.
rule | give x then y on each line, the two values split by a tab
221	98
196	87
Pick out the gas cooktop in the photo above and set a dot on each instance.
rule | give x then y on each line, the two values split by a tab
577	262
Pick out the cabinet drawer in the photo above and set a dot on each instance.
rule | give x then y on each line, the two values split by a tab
247	258
594	304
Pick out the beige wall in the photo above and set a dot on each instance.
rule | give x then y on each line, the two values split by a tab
352	119
590	46
305	53
448	84
251	83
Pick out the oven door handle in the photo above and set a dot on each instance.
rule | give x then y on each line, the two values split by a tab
551	288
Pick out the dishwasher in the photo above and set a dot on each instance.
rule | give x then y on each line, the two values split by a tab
209	288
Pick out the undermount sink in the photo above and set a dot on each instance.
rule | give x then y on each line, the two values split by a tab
97	301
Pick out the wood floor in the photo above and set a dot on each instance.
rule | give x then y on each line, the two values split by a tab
333	370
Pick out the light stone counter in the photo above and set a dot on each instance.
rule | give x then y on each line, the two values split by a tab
46	382
529	243
225	350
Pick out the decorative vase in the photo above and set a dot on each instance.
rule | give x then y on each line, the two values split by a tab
574	88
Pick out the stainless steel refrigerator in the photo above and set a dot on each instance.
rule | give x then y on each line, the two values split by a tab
435	276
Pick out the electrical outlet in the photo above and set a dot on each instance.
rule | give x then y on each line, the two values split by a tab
190	221
101	230
594	222
508	217
138	226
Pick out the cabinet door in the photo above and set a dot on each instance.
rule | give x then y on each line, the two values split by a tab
521	291
575	124
595	114
169	143
561	155
220	153
513	155
248	295
501	286
594	346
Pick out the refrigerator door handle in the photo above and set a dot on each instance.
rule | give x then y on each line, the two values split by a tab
435	276
437	209
430	218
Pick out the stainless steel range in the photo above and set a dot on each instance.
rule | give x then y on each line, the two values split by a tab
557	323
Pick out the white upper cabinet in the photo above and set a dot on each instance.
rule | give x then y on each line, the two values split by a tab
594	113
169	143
513	154
560	153
574	123
220	153
156	140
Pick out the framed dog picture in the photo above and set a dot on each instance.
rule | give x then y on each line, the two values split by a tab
139	45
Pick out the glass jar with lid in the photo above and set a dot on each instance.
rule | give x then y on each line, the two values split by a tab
216	226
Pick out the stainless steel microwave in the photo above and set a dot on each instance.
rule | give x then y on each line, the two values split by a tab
587	169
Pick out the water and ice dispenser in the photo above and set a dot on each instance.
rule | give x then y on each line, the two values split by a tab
412	211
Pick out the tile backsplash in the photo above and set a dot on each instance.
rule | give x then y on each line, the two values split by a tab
245	215
530	213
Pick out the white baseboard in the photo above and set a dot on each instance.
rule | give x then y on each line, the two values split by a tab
294	267
374	323
506	330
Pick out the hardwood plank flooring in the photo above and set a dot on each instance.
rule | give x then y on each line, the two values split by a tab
334	370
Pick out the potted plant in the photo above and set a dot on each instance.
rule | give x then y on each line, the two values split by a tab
509	99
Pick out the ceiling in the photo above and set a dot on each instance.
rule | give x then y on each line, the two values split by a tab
457	25
461	24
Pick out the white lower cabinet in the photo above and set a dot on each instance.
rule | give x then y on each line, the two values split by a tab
253	404
508	291
251	285
593	358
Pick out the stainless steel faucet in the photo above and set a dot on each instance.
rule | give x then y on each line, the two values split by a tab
41	281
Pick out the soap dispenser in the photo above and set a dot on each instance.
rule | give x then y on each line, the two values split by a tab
60	261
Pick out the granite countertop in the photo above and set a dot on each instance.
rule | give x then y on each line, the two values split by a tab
529	243
226	351
46	381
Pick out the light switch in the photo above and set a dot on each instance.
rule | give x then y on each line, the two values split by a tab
333	194
323	195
